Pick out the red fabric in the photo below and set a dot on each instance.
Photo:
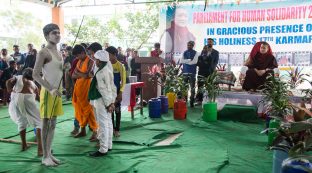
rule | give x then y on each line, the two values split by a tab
73	66
133	93
256	49
262	58
155	53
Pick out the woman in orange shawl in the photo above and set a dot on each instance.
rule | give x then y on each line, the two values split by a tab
83	109
260	63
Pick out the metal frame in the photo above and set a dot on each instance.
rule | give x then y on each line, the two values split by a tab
127	2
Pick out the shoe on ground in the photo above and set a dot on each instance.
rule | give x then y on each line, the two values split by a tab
97	154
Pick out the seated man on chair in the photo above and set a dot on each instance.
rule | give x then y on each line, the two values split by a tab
261	63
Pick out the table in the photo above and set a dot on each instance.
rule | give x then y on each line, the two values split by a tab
226	77
129	96
247	99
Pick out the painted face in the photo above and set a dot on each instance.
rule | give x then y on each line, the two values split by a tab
180	17
54	36
264	49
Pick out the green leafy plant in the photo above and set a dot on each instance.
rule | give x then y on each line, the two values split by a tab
307	92
180	87
296	77
294	137
211	86
131	29
276	97
170	78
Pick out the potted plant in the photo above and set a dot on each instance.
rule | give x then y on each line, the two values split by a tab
293	140
277	103
180	89
285	136
307	93
155	76
170	81
276	98
212	90
296	77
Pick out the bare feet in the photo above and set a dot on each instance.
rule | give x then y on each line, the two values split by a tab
116	133
57	161
82	133
48	162
24	147
93	137
75	131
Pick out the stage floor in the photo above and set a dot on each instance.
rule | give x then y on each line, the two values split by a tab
223	146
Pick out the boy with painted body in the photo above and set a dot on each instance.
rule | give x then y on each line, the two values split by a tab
49	63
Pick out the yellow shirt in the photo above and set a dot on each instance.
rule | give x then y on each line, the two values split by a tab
119	68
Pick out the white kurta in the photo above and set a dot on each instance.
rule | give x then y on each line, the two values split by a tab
107	88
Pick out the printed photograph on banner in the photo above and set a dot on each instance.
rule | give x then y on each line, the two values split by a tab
223	58
176	34
302	58
236	59
284	59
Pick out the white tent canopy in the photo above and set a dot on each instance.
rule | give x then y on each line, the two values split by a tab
82	3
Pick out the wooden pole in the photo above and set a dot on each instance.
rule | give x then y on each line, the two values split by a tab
16	141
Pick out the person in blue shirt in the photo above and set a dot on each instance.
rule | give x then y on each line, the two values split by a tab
18	57
189	61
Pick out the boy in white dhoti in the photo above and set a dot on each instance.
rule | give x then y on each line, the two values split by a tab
102	94
23	108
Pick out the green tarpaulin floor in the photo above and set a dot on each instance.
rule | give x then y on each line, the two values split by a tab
224	146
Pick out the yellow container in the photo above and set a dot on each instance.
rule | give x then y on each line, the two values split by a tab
171	98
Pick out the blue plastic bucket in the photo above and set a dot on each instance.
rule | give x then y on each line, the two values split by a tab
296	165
154	108
164	104
278	157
